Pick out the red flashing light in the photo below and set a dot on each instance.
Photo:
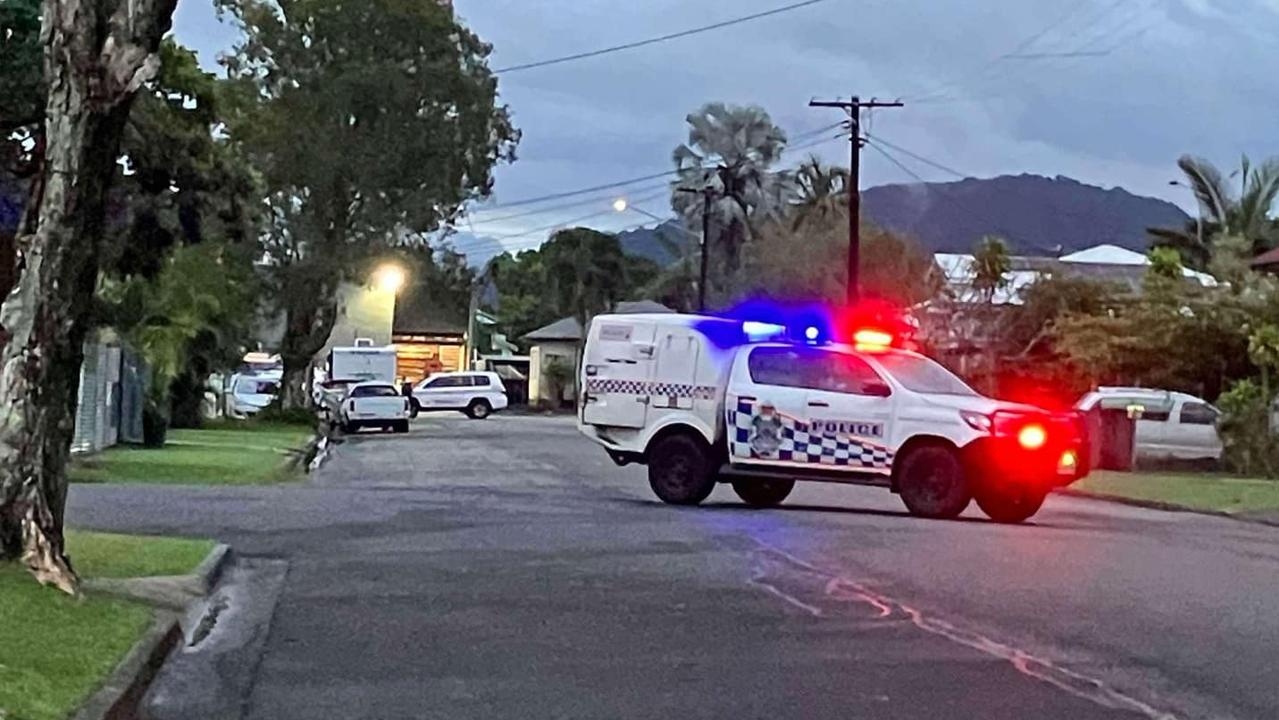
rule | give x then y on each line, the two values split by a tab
871	339
1032	437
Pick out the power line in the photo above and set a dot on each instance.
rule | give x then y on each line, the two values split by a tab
658	39
625	182
1021	49
896	162
920	158
479	240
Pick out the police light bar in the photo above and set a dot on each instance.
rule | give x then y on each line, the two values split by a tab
872	339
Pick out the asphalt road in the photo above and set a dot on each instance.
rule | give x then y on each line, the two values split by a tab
506	569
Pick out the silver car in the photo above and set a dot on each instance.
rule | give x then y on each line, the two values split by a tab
1170	425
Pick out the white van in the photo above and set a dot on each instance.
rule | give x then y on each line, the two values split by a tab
1170	425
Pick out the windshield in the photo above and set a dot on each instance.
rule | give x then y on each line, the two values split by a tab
918	373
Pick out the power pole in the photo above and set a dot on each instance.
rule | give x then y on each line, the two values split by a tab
853	106
707	193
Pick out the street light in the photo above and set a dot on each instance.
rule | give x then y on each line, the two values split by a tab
389	278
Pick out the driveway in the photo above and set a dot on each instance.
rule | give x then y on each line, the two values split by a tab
506	569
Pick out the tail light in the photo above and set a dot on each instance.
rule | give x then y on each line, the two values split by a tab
1032	436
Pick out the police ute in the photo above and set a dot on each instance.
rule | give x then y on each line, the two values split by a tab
759	405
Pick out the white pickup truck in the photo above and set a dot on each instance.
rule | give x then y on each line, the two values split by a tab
374	404
702	400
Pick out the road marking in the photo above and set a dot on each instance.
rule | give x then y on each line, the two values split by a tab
839	588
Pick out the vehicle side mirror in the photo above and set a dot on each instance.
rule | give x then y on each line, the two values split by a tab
877	389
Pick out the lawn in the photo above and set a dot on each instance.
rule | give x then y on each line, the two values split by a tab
240	454
56	650
1201	491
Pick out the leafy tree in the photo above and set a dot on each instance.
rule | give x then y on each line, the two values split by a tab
821	194
192	318
583	267
21	85
730	150
809	264
97	54
397	111
1223	212
578	273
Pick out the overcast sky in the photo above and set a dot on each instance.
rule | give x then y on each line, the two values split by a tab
1173	76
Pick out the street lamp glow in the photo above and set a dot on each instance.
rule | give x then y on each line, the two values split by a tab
389	278
620	205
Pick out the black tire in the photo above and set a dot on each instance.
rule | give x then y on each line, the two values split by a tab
763	493
415	407
1010	505
680	471
931	482
350	428
479	409
401	426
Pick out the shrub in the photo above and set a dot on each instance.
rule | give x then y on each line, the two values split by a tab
1250	447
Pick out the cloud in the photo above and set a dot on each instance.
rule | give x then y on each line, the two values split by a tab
1176	76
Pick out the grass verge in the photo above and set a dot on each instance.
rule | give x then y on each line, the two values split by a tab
1201	491
55	650
227	454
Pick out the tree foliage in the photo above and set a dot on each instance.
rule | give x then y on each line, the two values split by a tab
1225	212
578	273
373	122
730	150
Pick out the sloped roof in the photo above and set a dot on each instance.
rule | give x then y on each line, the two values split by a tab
570	329
1105	263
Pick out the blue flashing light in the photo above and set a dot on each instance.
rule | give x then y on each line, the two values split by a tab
757	331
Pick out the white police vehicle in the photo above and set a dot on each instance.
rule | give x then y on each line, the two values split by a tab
702	400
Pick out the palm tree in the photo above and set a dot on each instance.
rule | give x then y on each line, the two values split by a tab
1222	212
730	150
990	266
821	194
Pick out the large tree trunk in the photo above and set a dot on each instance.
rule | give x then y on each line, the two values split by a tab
97	54
309	320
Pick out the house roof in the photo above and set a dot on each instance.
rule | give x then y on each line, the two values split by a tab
1269	257
1105	263
569	328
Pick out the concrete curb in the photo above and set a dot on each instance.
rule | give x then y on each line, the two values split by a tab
118	697
1164	506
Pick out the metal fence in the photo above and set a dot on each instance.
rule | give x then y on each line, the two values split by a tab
113	383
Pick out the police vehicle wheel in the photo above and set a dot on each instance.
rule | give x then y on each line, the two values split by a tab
679	471
763	493
932	482
1010	506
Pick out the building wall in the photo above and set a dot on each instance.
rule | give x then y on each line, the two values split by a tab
363	312
539	390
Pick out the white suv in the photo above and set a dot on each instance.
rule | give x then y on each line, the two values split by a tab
478	394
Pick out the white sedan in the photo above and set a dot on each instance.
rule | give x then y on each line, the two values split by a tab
374	404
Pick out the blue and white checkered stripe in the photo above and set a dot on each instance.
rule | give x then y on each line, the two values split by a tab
801	446
601	386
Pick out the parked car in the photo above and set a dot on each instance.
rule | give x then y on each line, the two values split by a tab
252	392
478	394
374	404
1170	425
